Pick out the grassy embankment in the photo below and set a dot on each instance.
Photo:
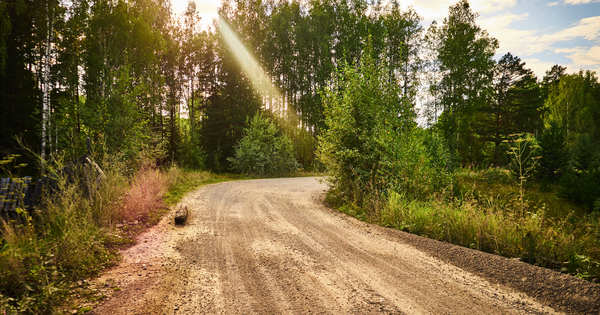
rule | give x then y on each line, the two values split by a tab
45	255
486	213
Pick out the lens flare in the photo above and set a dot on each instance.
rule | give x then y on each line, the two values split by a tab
260	80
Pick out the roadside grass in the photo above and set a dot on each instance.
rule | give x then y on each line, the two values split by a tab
182	181
66	239
46	255
486	215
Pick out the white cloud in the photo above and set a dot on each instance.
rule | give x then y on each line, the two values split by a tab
491	6
588	28
528	42
582	56
553	4
438	9
539	67
580	1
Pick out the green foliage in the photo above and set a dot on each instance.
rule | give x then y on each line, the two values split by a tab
416	165
533	237
372	145
190	153
553	152
264	150
362	107
464	58
60	242
571	135
514	107
582	174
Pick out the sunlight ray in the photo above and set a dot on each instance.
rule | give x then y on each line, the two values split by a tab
259	78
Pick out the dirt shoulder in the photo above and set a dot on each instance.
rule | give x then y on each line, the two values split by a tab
270	246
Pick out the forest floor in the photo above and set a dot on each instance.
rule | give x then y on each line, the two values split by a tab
270	246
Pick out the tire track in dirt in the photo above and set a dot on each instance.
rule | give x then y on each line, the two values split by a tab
270	247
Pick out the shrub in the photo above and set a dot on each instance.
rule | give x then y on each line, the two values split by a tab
264	150
190	153
416	165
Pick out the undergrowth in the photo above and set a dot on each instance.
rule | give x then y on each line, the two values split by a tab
486	215
77	230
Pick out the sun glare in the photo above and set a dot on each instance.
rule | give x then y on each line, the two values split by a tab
259	79
207	10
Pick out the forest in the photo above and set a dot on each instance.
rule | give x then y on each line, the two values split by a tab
426	130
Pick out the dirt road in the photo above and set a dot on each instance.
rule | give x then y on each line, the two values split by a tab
271	247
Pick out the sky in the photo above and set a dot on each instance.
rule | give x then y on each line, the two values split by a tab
541	32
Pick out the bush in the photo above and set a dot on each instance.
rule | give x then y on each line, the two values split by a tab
264	150
416	165
190	153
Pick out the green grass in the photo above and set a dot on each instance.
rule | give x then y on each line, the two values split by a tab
487	215
182	181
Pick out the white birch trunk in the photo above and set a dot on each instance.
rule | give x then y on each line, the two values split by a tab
45	87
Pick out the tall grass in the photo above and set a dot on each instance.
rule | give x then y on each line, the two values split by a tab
145	194
72	235
486	214
62	240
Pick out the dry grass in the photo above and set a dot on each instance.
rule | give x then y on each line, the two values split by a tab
144	196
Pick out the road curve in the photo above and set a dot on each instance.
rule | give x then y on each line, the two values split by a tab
270	247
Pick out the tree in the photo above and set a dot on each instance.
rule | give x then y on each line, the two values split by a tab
573	107
227	110
465	53
573	104
551	78
515	106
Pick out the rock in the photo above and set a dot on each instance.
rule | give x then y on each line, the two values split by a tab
181	215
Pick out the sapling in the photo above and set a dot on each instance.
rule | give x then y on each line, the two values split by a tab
524	160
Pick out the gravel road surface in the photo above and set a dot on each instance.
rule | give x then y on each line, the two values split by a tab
270	247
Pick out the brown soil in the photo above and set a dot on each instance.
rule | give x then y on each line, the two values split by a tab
270	246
